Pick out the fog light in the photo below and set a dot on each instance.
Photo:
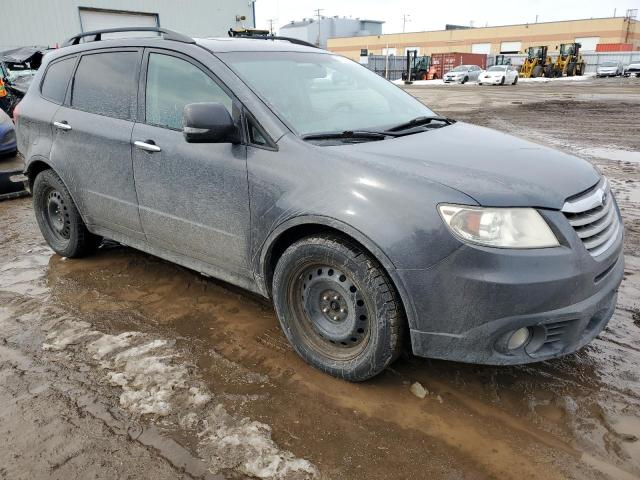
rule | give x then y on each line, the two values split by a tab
518	338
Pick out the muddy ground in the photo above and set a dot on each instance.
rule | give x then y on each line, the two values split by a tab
125	366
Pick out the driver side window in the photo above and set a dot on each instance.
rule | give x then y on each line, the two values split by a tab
173	83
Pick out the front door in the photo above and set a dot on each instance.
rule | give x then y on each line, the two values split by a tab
193	198
92	139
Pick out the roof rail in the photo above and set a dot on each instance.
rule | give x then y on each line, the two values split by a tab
97	34
237	34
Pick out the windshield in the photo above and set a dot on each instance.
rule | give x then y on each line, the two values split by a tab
608	64
497	68
317	92
460	68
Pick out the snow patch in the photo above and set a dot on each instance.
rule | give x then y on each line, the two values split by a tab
155	379
247	446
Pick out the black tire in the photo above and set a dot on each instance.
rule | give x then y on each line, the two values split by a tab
548	72
502	81
338	308
465	80
571	69
58	218
515	80
537	71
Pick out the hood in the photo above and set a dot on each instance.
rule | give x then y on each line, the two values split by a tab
23	54
493	168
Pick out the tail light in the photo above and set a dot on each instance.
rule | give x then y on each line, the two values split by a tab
15	112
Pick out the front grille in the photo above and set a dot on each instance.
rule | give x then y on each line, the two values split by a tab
594	218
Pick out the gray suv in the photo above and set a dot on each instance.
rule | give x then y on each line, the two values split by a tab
304	177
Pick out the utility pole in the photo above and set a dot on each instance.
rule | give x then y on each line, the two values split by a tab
405	19
318	14
271	22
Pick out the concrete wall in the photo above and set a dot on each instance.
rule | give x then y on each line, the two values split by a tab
50	22
609	30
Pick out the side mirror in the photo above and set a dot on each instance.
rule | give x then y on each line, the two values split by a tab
208	122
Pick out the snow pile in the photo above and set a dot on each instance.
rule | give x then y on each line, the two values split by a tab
247	446
155	379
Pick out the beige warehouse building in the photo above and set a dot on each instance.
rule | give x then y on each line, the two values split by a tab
495	40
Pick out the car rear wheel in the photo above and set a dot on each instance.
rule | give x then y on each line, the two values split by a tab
338	308
58	218
515	80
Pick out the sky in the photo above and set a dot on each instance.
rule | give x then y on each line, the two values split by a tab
433	15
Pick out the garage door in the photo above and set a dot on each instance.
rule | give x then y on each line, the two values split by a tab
484	48
588	43
100	19
510	47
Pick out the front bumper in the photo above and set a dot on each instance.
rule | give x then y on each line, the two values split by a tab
452	79
490	80
468	303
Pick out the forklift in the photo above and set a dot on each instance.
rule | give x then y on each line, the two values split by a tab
569	61
502	60
537	63
418	67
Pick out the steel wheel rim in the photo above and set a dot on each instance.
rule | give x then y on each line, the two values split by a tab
56	215
333	313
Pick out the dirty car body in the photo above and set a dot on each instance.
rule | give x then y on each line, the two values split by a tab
443	226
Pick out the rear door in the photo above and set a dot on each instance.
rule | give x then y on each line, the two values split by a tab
92	138
193	197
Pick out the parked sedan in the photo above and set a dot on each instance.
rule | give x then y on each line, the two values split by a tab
462	74
499	75
7	135
632	69
609	69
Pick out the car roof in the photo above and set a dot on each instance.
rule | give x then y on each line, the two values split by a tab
229	44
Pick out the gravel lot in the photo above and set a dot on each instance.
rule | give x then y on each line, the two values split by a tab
125	366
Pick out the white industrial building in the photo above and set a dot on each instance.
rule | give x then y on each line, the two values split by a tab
50	22
317	31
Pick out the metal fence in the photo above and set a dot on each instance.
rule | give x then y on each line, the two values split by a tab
393	66
390	67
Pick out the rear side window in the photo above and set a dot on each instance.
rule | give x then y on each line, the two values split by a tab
173	83
106	84
54	85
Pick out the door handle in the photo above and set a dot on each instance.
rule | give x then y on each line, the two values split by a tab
148	146
63	125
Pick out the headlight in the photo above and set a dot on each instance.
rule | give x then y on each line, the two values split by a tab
499	227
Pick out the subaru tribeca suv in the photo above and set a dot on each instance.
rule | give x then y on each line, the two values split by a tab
304	177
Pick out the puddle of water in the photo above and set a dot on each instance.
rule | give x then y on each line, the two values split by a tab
614	154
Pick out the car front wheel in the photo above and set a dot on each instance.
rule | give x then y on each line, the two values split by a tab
58	218
338	307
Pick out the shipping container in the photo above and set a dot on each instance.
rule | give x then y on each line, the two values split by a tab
443	62
614	47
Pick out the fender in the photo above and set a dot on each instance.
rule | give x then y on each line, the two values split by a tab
39	159
261	264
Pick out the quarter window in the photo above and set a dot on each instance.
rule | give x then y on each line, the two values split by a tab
54	85
106	84
173	83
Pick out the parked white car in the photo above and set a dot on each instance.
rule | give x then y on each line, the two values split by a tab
632	69
499	75
609	69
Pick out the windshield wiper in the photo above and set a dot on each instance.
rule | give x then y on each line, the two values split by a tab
420	121
349	134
